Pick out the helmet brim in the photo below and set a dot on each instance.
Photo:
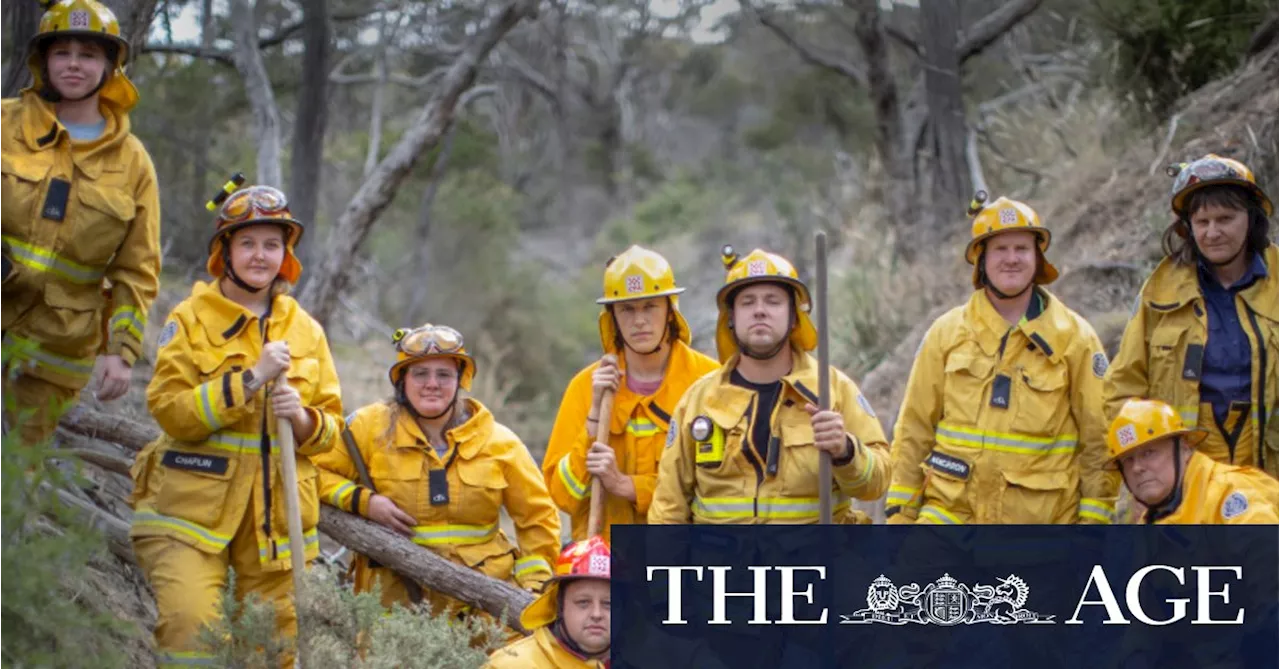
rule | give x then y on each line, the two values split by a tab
1192	436
1179	201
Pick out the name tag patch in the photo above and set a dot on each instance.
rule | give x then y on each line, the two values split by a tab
951	466
196	462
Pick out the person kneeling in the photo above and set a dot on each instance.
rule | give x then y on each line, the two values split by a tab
570	619
1177	484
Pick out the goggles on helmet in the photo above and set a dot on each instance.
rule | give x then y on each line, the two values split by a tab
428	339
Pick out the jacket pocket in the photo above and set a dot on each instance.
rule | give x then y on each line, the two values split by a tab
1166	365
23	186
141	472
945	493
965	382
73	323
303	377
101	223
798	459
495	559
1043	400
480	494
397	474
195	485
1031	497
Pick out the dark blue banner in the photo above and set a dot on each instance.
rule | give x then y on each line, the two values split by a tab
1033	597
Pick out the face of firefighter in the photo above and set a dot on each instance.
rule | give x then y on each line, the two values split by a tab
256	254
761	316
586	613
1011	261
431	385
1149	471
75	66
1220	232
642	323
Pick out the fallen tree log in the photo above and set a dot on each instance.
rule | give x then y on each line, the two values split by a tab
502	600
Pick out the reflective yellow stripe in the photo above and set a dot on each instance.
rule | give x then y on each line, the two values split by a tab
1095	509
528	565
1189	413
24	350
764	507
206	405
239	443
342	495
865	474
642	427
185	659
577	489
283	550
955	435
900	494
456	535
41	259
938	516
149	518
130	319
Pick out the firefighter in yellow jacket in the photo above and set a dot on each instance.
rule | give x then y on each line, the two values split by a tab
745	440
1177	484
1002	417
209	493
649	364
570	619
80	205
1203	337
442	470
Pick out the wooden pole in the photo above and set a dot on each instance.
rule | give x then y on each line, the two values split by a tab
824	373
297	542
604	417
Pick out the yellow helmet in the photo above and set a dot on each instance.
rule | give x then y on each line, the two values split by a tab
90	20
255	205
431	341
1005	215
636	274
760	266
1212	170
1141	422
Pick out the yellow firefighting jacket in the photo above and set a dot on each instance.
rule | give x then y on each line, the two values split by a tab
54	303
1163	346
637	431
720	479
195	483
539	650
1001	424
487	468
1216	494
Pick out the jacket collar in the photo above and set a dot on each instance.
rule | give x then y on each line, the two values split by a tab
224	320
728	403
681	359
1173	285
1050	331
42	131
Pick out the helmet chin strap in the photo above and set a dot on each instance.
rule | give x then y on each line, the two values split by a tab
403	400
775	350
989	285
48	92
1170	502
230	271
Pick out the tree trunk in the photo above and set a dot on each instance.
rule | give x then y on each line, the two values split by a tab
311	118
422	281
257	85
895	152
206	24
330	277
21	19
135	21
949	183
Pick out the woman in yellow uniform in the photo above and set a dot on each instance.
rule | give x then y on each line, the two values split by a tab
80	205
209	493
441	469
1203	337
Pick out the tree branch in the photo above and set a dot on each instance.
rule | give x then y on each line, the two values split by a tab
903	38
806	52
227	58
989	28
373	196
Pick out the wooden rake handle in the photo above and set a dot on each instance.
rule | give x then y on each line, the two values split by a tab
604	417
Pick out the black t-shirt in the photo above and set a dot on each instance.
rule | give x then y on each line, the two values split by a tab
767	397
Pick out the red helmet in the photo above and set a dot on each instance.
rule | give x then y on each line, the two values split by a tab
582	559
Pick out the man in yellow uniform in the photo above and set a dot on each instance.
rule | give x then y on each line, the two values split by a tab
745	441
1002	417
81	205
570	619
1177	484
649	365
1204	330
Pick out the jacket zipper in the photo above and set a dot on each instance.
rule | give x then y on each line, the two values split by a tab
1261	347
749	452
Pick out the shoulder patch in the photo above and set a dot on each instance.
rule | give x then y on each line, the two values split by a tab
1100	364
866	406
167	334
1235	504
671	434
